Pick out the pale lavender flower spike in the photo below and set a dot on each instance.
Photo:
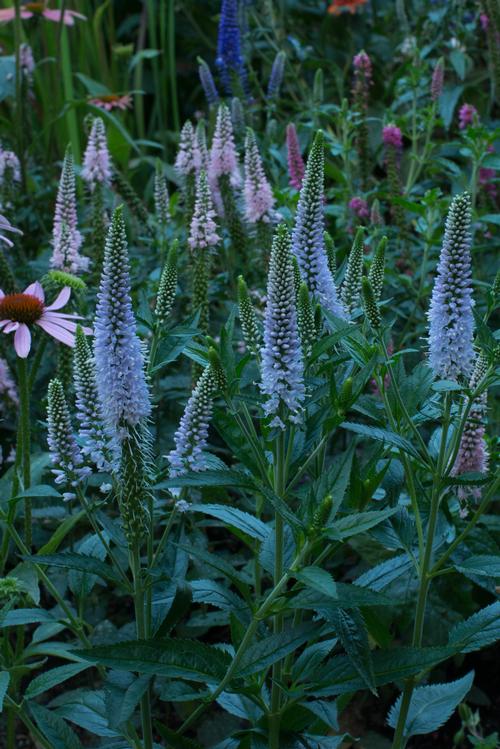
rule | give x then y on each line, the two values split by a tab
191	436
119	361
257	192
203	229
223	155
9	164
66	239
282	365
451	322
308	242
97	161
185	162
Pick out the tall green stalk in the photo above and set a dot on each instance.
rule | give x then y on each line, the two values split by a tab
23	443
67	75
140	618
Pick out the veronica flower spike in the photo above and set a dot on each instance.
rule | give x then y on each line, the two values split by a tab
66	239
19	311
122	386
282	364
258	195
97	161
451	321
308	242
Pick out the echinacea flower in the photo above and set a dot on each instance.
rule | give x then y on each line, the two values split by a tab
40	9
19	311
108	102
337	6
5	225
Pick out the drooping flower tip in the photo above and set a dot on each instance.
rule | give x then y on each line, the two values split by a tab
203	230
96	160
392	136
437	80
258	195
467	115
276	77
296	168
207	82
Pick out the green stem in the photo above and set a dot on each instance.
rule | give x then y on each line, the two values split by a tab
425	579
140	617
259	615
279	488
172	64
19	91
24	443
67	75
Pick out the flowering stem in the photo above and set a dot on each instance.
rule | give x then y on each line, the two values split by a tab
23	443
425	576
258	616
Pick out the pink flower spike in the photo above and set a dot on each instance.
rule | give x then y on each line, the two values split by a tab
22	341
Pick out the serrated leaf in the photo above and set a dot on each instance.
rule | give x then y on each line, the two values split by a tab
184	659
54	728
236	518
383	574
4	685
263	654
234	479
382	435
351	631
431	706
52	678
338	675
478	631
347	596
73	561
215	594
485	565
318	579
174	740
360	522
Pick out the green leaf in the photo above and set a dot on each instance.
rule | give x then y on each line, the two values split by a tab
338	675
347	596
183	659
351	630
383	574
60	534
485	565
52	678
20	617
72	561
235	518
4	685
122	695
234	479
40	490
431	706
318	579
217	595
478	631
7	76
382	435
263	654
174	740
54	728
93	87
359	522
447	103
491	218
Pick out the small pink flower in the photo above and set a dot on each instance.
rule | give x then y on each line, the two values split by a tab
361	62
5	225
30	10
109	102
467	115
359	207
19	311
392	136
484	21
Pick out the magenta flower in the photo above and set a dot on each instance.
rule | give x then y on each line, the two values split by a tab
19	311
392	136
466	115
484	21
362	62
5	225
31	10
296	168
359	207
